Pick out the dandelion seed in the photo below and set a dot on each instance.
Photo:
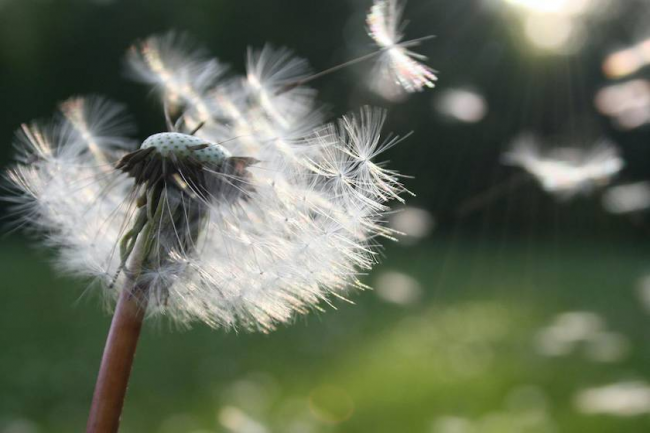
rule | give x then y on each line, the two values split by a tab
268	70
62	185
396	71
397	64
178	68
568	171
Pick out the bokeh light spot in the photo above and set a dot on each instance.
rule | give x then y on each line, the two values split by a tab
330	404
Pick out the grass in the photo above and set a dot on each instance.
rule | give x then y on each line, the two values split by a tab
461	360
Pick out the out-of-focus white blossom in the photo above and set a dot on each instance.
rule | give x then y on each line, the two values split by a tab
452	424
633	197
461	105
626	103
414	224
567	330
617	399
237	421
397	64
607	347
643	292
331	404
398	288
250	210
20	425
583	330
568	171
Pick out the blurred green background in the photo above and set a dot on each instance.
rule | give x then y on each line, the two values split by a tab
529	315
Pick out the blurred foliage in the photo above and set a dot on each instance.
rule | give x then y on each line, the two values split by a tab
466	351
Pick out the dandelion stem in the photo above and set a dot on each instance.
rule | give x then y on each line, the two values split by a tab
115	368
121	344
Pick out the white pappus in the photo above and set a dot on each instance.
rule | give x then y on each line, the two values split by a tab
246	211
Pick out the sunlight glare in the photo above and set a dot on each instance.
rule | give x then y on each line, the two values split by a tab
549	31
565	7
557	26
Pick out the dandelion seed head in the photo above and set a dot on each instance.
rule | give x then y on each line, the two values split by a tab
185	145
247	211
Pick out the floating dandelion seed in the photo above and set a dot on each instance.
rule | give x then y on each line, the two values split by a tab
397	65
396	71
568	171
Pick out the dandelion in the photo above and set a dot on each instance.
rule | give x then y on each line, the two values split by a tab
397	64
246	212
567	171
